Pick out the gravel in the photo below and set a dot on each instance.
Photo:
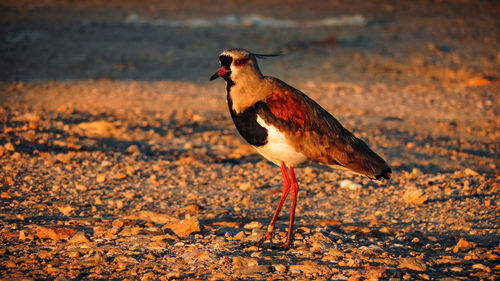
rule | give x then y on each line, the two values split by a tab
108	175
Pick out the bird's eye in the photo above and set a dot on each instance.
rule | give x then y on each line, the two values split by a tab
239	62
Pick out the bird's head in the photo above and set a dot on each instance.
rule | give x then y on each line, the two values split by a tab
238	64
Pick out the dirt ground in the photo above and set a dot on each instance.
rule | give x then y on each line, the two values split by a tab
119	160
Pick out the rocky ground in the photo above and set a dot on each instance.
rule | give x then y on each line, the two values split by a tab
119	160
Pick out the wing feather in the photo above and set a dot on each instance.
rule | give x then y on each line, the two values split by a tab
317	134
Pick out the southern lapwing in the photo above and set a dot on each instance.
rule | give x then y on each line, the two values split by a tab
288	128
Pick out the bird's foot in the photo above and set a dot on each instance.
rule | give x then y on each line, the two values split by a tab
267	236
284	246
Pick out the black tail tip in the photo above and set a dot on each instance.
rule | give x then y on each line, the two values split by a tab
386	174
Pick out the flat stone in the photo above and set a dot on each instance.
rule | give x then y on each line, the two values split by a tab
156	217
185	227
309	267
252	225
239	262
415	196
253	269
416	264
54	233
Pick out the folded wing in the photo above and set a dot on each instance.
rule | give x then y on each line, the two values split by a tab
318	135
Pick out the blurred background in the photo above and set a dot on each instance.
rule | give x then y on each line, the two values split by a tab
110	130
397	41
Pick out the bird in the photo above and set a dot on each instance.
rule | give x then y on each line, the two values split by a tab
289	129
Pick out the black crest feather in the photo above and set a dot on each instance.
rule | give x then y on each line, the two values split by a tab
265	56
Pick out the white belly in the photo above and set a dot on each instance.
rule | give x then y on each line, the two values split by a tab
277	149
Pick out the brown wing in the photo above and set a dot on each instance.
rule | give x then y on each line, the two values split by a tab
317	134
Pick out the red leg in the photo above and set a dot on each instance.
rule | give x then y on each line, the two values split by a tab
295	190
286	189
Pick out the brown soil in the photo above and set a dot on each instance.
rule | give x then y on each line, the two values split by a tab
119	160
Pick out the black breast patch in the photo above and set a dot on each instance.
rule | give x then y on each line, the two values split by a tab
246	123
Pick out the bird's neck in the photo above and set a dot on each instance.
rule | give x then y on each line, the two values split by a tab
246	91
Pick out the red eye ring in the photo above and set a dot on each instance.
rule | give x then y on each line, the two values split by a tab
239	62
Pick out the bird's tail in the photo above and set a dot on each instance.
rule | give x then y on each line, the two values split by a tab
385	174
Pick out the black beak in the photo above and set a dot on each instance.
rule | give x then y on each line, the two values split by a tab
223	72
215	76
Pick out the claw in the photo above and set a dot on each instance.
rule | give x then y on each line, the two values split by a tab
286	245
267	236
